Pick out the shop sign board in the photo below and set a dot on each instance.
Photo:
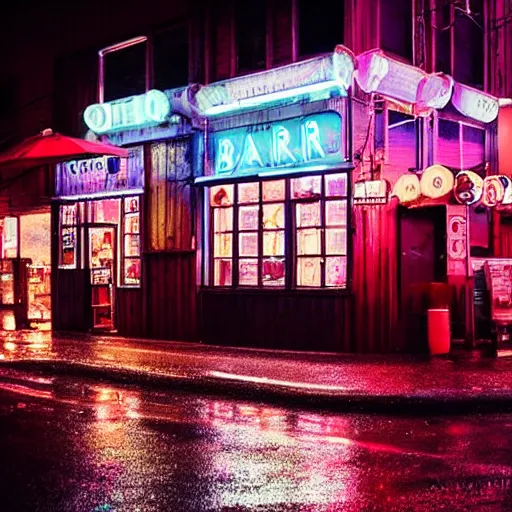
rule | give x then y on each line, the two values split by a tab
285	82
371	192
149	109
457	238
101	176
498	275
307	142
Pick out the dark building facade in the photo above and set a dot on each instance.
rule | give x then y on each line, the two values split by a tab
245	216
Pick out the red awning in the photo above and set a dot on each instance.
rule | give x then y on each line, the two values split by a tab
50	148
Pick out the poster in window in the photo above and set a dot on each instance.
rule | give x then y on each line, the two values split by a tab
222	272
336	213
309	272
273	190
131	204
248	217
308	214
248	244
309	241
248	272
223	244
223	220
273	216
306	187
336	241
273	272
132	271
221	195
132	245
249	192
131	223
68	247
336	185
273	243
335	272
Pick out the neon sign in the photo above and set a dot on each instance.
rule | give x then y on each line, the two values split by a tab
475	104
294	143
331	73
149	109
101	176
376	72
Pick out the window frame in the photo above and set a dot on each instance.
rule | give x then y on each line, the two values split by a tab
75	226
115	48
290	230
461	123
123	235
82	223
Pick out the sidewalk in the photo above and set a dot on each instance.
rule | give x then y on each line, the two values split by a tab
461	383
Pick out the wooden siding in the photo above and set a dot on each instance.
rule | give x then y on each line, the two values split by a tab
170	295
70	300
280	320
170	197
375	279
26	191
129	312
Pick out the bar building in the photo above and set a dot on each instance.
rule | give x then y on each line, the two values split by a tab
266	207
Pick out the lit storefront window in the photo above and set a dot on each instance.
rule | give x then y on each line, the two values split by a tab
280	233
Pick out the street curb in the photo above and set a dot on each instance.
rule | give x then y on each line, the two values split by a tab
406	404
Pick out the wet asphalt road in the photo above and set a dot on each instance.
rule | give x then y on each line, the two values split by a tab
85	446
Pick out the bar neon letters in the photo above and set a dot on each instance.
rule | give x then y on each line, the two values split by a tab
148	109
298	142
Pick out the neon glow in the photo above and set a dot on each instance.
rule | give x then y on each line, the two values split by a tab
259	149
475	104
104	175
377	72
331	74
149	109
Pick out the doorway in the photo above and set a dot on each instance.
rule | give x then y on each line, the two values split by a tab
103	267
422	262
35	246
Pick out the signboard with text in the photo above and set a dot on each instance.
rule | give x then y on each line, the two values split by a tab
456	240
498	274
101	176
306	142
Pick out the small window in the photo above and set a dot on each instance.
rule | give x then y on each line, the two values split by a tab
460	146
68	239
473	147
396	33
321	231
130	249
124	71
170	58
448	144
320	25
403	148
251	30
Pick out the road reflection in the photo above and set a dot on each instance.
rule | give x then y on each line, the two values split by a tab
127	449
